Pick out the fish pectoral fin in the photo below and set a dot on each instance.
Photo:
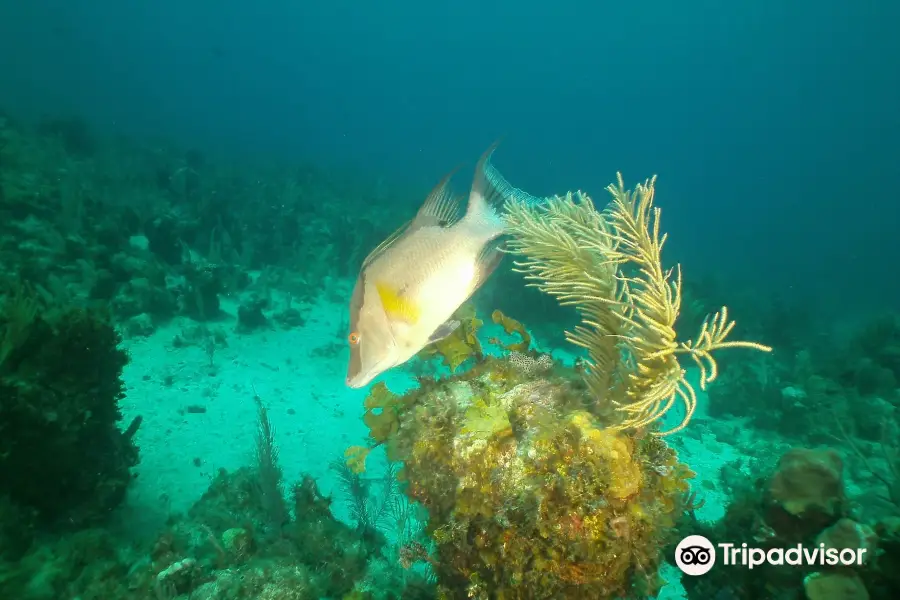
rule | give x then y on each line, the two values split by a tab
487	262
441	207
444	330
396	304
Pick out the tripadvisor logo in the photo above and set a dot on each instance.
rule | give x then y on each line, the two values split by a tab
696	555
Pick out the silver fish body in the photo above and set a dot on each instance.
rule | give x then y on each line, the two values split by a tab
410	286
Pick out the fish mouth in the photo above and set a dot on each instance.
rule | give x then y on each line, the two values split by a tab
358	381
363	378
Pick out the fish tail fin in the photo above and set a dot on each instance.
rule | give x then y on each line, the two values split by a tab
487	197
504	190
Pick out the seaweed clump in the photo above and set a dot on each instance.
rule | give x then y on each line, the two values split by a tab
64	461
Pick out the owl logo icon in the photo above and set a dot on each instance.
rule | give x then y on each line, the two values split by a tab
695	555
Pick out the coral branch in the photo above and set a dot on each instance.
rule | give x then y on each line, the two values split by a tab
608	265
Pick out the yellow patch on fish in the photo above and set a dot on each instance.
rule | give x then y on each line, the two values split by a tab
396	306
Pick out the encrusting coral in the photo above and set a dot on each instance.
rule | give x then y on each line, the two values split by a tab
528	495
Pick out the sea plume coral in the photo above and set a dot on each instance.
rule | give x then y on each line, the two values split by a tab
608	265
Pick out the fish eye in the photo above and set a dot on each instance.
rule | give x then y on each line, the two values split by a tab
353	338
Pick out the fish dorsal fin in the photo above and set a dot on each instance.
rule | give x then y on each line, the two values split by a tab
383	246
441	207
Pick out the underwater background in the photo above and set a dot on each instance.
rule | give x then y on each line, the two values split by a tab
187	194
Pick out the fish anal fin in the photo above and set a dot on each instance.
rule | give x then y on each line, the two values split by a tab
444	330
396	305
441	207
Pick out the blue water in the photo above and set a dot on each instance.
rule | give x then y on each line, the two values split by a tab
773	126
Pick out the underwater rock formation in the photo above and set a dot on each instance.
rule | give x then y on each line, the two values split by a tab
806	492
221	550
528	495
801	503
64	462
